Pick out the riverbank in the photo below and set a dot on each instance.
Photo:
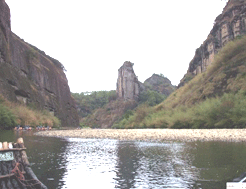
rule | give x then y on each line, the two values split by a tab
233	135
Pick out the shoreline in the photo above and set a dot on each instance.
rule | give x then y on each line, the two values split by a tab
159	135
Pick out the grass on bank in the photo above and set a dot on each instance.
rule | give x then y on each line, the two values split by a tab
213	99
12	114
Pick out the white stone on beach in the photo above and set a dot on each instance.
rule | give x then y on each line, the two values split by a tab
235	135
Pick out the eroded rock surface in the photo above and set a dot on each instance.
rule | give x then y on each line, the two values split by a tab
31	77
128	86
228	25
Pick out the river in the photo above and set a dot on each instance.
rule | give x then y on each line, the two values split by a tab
102	163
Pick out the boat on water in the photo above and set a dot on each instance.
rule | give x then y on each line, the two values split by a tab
15	169
237	183
29	128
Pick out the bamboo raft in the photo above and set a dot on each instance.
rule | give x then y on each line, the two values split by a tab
15	169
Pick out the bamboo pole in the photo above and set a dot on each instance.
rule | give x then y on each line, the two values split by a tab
2	181
7	177
18	159
26	163
11	150
3	168
5	172
9	169
12	179
5	145
20	141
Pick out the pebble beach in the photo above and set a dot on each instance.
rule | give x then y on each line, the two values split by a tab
185	135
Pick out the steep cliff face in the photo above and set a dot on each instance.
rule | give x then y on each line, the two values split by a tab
5	30
31	77
160	84
128	86
229	25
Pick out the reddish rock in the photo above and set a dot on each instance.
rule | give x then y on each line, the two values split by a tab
30	76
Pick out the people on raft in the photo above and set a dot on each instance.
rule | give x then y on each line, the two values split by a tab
25	128
18	127
43	128
28	128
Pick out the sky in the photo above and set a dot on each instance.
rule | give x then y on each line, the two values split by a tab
93	38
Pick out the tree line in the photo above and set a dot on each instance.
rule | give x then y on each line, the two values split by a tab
87	102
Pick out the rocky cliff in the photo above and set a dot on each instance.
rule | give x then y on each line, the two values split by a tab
31	77
228	25
160	84
128	86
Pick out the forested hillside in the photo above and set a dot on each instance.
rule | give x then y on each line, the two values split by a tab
101	109
87	102
213	99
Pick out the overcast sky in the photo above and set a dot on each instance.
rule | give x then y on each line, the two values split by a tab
93	38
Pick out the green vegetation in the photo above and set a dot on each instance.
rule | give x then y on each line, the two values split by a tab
12	114
100	108
89	101
31	54
214	99
151	97
160	84
7	118
227	111
188	77
110	113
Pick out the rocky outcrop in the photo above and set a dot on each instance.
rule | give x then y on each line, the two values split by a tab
160	84
128	86
228	26
31	77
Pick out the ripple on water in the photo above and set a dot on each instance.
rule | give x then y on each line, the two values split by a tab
122	164
90	160
101	163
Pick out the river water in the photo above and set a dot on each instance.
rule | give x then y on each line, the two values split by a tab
102	163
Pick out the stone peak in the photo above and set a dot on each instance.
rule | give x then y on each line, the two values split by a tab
128	64
128	86
156	75
232	3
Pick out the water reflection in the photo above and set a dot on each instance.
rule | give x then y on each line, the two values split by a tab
44	154
128	159
218	162
95	163
167	165
154	165
90	163
47	160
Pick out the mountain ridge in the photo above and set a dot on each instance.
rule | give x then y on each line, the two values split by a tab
230	24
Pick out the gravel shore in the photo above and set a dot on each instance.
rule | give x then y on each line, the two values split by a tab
233	135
